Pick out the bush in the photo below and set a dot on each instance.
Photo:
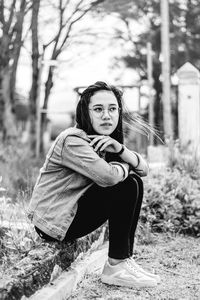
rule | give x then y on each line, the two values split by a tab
172	202
184	160
18	169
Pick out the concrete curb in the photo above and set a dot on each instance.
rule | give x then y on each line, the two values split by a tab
62	287
45	263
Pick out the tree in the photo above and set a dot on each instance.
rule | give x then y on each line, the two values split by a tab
68	13
147	15
184	39
12	15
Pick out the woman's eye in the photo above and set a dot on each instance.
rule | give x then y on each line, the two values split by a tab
98	109
113	109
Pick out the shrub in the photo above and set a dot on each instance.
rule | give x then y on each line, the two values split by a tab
172	202
184	160
18	169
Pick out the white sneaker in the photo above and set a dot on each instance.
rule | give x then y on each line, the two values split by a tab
141	270
124	274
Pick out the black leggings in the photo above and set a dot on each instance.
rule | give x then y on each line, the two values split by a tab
119	204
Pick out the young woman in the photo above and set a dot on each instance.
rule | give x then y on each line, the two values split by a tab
90	176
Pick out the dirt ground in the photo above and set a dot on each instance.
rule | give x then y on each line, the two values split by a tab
176	259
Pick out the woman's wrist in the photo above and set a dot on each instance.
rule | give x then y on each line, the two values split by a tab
138	159
121	151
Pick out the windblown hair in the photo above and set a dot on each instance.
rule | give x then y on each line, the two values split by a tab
126	119
82	113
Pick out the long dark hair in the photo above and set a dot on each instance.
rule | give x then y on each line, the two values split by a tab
132	122
82	113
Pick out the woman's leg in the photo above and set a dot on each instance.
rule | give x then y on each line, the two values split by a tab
137	210
92	212
117	204
124	218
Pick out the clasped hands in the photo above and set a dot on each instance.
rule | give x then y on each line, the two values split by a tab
104	143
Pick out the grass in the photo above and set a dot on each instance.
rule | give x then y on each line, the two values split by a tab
175	258
18	171
17	235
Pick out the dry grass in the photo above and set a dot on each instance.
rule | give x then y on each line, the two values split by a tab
175	258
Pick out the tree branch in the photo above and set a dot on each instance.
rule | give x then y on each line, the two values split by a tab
76	9
2	19
61	26
10	19
74	21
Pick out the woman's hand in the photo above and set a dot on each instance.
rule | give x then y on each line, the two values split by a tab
104	142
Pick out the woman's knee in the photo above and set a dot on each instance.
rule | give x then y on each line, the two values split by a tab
129	184
133	179
134	184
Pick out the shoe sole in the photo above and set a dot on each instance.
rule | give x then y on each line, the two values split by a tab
120	282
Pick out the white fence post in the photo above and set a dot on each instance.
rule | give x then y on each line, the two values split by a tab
189	108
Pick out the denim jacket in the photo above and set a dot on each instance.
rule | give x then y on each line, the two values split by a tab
70	168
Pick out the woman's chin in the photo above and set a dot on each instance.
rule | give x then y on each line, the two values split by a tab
104	132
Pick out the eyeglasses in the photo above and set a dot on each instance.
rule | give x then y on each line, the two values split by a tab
99	111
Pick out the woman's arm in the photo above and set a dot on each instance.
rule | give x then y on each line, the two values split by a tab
79	156
108	144
136	161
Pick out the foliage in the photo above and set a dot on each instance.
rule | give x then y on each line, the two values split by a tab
52	26
12	19
18	172
17	235
184	29
183	160
18	169
184	40
172	202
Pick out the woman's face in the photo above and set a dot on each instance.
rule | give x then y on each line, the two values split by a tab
104	112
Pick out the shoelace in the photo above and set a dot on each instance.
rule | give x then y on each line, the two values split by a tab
136	266
131	267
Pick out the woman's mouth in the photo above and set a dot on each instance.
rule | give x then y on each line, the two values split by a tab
106	125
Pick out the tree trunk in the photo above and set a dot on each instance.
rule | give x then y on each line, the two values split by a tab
2	129
158	115
165	46
16	50
10	45
35	76
48	87
4	61
9	122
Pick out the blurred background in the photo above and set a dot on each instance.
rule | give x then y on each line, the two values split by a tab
51	50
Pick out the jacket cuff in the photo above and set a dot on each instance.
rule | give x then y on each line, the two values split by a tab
124	169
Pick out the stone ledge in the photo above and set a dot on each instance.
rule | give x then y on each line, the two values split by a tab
35	270
64	285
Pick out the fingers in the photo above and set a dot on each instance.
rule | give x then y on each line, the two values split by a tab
96	139
100	143
105	145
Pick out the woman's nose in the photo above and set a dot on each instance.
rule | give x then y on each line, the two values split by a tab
106	114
